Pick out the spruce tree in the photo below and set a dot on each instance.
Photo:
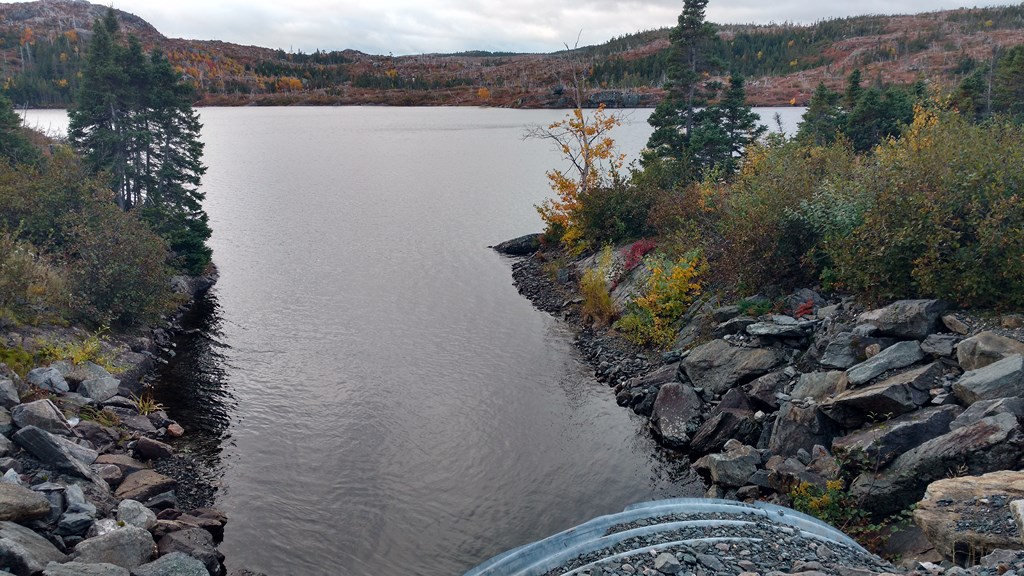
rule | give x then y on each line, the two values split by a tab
823	120
14	145
133	120
675	117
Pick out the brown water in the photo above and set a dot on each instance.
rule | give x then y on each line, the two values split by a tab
375	395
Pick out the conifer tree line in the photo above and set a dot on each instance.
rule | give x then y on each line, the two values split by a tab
93	229
133	122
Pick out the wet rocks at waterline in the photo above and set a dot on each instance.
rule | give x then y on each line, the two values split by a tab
914	391
79	493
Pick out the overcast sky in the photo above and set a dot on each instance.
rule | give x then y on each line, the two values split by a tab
424	26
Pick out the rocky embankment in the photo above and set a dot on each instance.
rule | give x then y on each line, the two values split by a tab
915	404
80	450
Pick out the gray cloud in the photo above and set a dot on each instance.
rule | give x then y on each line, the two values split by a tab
422	26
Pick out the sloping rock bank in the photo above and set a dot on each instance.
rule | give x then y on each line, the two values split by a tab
79	452
892	399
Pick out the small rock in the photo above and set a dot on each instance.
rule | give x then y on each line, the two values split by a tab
42	414
667	564
175	430
25	552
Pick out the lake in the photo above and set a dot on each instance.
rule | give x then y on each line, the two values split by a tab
373	394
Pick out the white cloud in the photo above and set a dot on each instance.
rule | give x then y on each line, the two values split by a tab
420	26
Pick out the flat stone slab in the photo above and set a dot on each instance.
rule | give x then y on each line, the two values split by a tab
1001	379
899	355
143	485
966	517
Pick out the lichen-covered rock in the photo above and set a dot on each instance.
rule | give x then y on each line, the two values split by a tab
966	517
675	413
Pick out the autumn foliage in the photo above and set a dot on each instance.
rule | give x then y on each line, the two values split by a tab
583	140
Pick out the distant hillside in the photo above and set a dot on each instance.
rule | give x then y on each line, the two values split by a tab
43	45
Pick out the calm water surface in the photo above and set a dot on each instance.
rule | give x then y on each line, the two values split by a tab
375	395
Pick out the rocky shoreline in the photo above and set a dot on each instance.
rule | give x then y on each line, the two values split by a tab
913	405
91	482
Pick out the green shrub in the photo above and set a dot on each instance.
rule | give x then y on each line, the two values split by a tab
947	218
115	266
765	240
615	212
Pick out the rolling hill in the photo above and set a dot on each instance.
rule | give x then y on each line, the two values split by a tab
43	45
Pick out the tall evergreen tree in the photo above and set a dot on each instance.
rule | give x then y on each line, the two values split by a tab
133	121
725	130
675	117
1008	83
823	119
14	145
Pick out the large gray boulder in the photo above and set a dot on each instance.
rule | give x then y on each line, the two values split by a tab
898	394
676	413
23	552
99	389
914	319
197	543
882	443
48	378
991	444
54	453
173	564
765	390
82	569
719	366
801	425
899	355
42	414
20	504
1002	379
986	348
9	397
127	547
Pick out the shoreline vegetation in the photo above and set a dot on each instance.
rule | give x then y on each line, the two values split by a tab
102	251
830	321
